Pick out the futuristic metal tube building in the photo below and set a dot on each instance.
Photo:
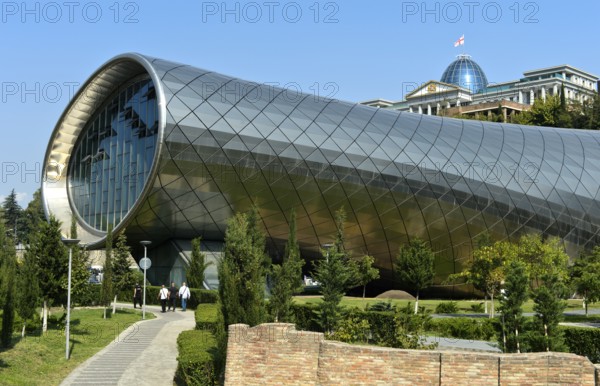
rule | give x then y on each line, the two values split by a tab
170	152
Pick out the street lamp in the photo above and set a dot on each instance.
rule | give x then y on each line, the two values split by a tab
69	243
326	247
145	243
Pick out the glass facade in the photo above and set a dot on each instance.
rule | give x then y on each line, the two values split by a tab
226	144
112	159
466	73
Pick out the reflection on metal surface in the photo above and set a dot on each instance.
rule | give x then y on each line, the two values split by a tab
224	144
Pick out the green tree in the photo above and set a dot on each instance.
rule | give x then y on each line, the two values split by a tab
335	275
28	289
543	257
123	277
51	258
366	272
286	278
32	215
544	113
12	213
549	307
584	276
515	295
408	331
80	274
414	267
242	274
107	290
195	272
8	263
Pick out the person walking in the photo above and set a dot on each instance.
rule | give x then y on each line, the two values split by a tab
172	297
137	295
163	295
184	295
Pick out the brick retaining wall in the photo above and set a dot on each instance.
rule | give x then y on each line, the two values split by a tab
277	354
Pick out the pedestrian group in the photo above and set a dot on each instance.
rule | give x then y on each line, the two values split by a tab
168	297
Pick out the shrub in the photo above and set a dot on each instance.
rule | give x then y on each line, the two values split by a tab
206	317
407	330
195	363
305	317
478	308
446	308
583	341
352	328
32	325
381	306
463	328
90	297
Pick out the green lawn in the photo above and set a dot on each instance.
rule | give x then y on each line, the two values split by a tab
40	359
464	306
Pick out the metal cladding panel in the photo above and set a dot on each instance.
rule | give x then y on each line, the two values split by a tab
229	144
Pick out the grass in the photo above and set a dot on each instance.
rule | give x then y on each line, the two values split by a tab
464	306
40	359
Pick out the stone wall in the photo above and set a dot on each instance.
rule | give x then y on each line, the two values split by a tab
277	354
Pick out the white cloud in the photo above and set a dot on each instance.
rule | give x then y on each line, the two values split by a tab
22	199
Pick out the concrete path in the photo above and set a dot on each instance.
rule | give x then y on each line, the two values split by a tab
144	354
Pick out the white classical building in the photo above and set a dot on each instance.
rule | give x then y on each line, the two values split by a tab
464	89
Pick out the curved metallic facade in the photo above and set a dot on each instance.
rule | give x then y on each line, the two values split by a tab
225	144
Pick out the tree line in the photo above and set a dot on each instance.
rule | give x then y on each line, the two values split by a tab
554	111
40	277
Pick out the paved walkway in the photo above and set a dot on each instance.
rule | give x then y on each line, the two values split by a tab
144	354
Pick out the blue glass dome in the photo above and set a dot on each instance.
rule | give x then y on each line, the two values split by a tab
466	73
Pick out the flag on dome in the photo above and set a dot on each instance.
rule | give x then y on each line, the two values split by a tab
460	41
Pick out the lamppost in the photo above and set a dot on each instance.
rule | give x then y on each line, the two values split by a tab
326	247
69	243
145	243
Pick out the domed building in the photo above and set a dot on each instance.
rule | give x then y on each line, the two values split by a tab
464	90
166	152
466	73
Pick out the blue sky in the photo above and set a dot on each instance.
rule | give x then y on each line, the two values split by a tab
349	50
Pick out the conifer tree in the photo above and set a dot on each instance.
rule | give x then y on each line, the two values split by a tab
198	264
12	214
242	273
80	275
366	272
335	275
414	267
28	291
107	291
516	293
286	278
585	277
51	258
8	263
123	276
32	216
549	307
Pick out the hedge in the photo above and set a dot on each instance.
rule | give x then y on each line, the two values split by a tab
464	328
305	317
206	317
382	323
90	297
195	363
198	296
583	341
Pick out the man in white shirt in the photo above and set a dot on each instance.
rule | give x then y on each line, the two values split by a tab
184	295
163	295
